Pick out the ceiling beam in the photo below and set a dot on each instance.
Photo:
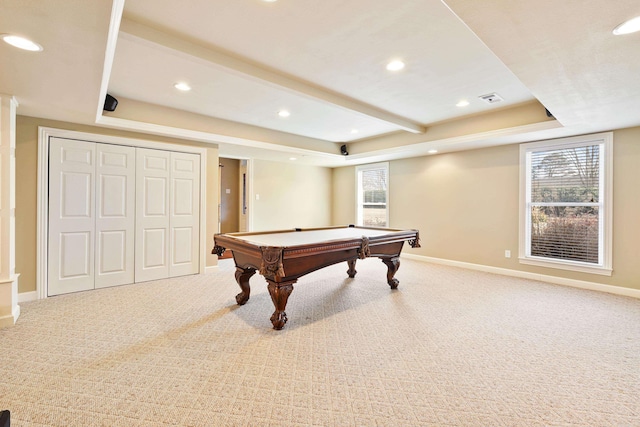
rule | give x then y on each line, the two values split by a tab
263	74
112	38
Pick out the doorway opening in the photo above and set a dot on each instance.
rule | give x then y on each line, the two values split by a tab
233	205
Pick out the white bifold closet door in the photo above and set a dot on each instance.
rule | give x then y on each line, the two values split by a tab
120	215
168	206
91	215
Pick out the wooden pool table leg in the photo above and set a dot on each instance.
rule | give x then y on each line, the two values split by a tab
279	295
352	268
242	277
393	264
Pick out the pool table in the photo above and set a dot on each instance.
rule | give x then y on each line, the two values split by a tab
284	256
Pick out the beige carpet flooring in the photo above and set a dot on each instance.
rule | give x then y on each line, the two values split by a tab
450	347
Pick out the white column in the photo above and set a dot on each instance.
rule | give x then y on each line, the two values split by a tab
9	308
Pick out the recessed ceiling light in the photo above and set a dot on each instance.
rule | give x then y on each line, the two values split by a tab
462	103
432	151
628	27
284	113
290	158
21	43
395	65
182	86
269	1
354	131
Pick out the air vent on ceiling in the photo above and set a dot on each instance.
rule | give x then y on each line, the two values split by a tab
491	98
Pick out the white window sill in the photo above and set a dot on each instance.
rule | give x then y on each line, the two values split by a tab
567	265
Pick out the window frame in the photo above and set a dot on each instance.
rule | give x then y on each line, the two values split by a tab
359	194
605	246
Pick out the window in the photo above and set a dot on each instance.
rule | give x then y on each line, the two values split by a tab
566	203
373	195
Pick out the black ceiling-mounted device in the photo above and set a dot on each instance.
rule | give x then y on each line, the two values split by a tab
110	103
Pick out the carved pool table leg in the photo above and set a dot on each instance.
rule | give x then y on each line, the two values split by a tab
279	295
242	277
393	264
352	268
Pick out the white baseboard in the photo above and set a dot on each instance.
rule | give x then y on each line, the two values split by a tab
618	290
33	296
27	296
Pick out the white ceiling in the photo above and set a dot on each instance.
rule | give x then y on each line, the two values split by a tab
325	63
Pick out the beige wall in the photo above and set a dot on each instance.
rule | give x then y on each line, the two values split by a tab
626	208
465	205
344	196
212	190
26	189
291	196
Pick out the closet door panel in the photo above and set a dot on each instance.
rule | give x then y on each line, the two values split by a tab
115	219
185	214
152	214
71	239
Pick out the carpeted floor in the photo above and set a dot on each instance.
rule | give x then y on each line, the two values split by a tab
450	347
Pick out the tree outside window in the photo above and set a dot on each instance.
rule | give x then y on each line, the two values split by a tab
565	211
